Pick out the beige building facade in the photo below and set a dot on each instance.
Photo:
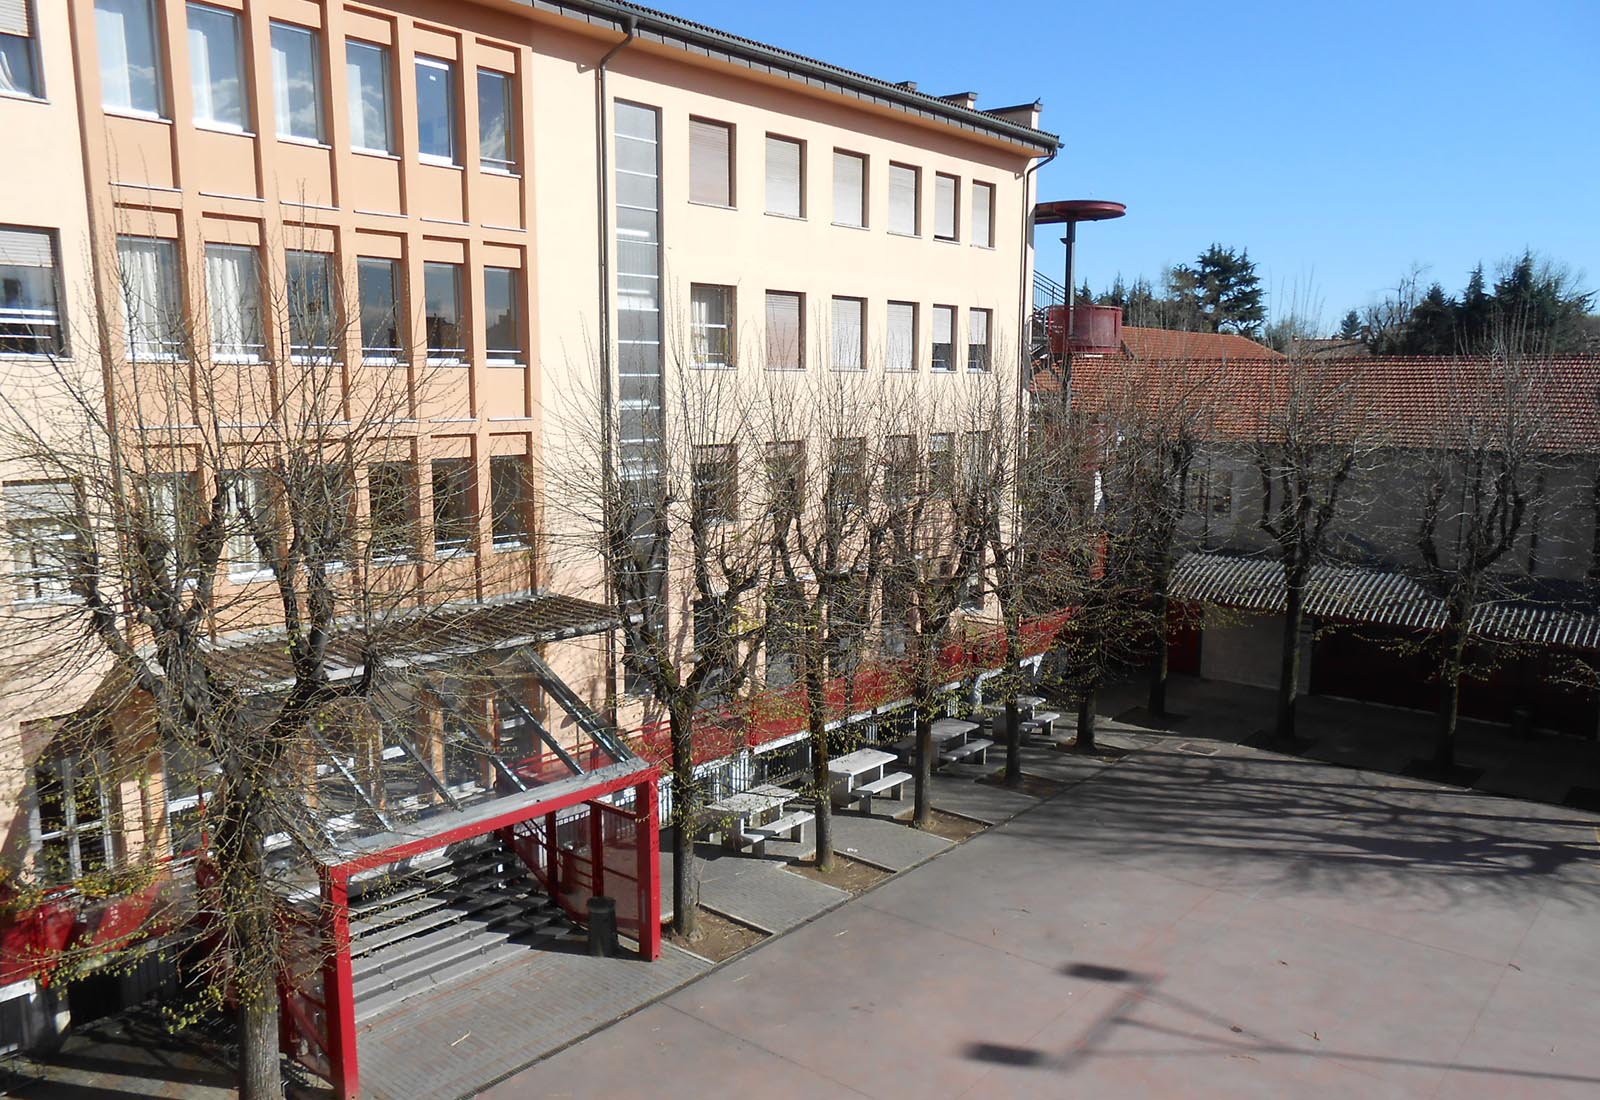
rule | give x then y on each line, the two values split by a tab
497	209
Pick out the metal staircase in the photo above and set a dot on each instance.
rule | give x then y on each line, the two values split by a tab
474	908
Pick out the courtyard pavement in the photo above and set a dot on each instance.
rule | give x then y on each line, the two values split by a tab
1200	919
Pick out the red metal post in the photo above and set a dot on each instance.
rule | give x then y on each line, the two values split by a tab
647	841
552	868
338	983
597	850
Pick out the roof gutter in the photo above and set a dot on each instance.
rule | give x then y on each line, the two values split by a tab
655	26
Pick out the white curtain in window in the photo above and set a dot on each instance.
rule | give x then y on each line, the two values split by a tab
125	37
849	179
847	332
710	175
983	214
784	331
150	294
783	177
214	67
233	289
367	69
944	207
297	82
902	336
902	199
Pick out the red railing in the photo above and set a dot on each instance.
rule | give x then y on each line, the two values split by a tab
35	941
594	852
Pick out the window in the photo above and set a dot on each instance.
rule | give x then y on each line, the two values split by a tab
233	293
392	507
510	500
783	636
454	520
978	339
902	350
172	512
327	504
849	188
941	461
848	487
944	338
785	177
186	775
71	810
130	61
896	613
983	214
502	295
18	73
149	270
30	314
785	330
714	642
849	333
786	476
497	122
441	288
1219	492
946	193
371	113
249	506
710	162
44	524
216	68
313	323
899	468
711	325
436	110
297	82
716	483
378	287
905	185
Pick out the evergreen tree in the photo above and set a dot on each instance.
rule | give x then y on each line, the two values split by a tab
1222	291
1350	327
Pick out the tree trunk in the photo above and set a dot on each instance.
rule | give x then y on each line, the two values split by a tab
249	907
1013	740
1086	707
1450	664
685	820
822	785
260	1076
1289	664
1157	703
922	813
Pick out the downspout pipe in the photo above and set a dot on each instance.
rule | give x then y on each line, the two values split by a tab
602	131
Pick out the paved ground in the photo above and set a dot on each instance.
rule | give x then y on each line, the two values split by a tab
1198	920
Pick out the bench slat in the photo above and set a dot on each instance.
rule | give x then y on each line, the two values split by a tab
878	786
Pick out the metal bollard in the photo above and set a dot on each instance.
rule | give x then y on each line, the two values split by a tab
603	927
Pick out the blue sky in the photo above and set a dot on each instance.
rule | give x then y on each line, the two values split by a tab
1339	142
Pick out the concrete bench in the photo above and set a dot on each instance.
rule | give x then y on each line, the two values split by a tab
894	781
978	747
790	827
1042	724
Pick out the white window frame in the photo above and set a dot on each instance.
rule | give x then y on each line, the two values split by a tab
704	333
974	316
283	109
159	111
950	356
504	356
197	58
25	317
357	102
511	162
836	336
452	108
940	180
25	31
900	350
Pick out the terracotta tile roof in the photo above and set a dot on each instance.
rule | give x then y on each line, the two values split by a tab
1159	343
1400	401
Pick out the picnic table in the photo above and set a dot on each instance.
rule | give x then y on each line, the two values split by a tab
858	776
757	815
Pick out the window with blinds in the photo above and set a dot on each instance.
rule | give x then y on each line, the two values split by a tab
944	336
30	315
849	188
902	349
710	162
946	192
977	339
18	73
849	333
904	188
785	330
983	214
44	526
785	177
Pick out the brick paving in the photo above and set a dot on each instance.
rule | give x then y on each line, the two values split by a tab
1232	924
448	1044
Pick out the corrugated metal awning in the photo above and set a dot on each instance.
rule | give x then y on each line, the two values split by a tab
1355	595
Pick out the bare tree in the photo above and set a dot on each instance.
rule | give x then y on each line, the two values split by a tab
655	490
212	484
1309	431
1482	469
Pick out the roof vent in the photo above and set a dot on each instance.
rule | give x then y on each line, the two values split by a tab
969	100
908	85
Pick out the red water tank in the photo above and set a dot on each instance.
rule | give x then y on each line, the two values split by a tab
1096	330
